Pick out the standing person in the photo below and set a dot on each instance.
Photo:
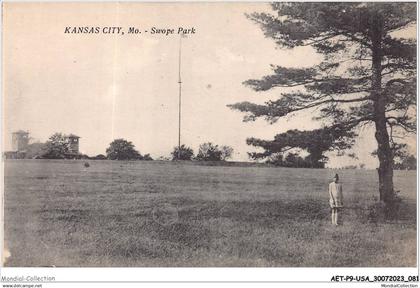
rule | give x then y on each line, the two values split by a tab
335	190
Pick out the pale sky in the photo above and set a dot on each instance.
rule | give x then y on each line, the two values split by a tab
102	87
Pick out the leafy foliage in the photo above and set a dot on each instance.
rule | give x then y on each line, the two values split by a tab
210	152
227	152
294	160
182	153
407	163
147	157
121	149
403	159
57	147
315	142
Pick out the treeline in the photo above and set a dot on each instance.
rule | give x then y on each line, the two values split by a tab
121	149
206	152
293	160
58	147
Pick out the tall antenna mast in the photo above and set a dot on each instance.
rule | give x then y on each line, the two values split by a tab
179	100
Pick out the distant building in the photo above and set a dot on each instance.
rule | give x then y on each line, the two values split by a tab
73	141
20	141
14	155
21	149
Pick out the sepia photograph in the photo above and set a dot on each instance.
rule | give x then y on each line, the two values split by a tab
209	134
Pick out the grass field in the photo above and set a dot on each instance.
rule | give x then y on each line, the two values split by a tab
179	214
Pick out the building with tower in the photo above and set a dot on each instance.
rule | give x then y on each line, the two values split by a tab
73	141
22	149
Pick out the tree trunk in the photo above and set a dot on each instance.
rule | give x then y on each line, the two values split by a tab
385	155
385	171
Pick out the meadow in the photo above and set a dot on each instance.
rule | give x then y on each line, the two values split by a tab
140	213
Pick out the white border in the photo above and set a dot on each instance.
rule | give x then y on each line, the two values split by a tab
197	275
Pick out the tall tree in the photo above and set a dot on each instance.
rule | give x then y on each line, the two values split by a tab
367	75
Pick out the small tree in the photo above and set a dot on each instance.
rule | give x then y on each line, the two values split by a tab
227	152
147	157
291	160
99	157
274	158
121	149
211	152
182	153
57	147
